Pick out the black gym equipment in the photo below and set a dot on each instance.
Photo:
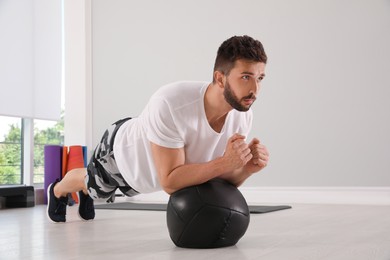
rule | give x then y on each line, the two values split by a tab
18	196
213	214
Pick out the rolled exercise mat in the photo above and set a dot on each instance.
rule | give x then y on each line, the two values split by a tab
52	167
75	157
85	156
64	160
75	160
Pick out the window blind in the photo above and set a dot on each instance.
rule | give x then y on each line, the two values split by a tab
31	58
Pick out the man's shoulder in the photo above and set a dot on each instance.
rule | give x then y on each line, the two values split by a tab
181	91
182	86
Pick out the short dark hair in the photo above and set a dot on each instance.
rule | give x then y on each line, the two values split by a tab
236	48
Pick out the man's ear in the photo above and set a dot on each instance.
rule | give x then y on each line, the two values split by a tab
219	78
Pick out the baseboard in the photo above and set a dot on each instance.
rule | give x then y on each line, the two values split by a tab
318	195
291	195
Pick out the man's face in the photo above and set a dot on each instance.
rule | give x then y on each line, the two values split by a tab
243	84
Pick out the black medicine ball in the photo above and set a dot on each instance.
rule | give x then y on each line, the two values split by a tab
213	214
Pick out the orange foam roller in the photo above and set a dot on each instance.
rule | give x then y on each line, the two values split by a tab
75	160
75	157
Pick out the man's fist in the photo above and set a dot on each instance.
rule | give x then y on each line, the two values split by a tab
259	152
237	152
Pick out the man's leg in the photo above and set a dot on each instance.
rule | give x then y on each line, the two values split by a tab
73	181
57	195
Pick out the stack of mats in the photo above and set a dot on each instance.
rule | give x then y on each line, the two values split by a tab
61	159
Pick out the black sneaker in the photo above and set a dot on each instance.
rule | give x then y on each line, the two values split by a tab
86	208
56	207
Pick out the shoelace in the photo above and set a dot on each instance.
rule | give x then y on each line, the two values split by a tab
61	207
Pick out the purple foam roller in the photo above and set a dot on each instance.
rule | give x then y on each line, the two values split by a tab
53	167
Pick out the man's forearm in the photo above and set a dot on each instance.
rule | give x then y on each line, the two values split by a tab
236	177
193	174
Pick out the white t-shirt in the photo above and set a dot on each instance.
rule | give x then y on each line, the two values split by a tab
174	117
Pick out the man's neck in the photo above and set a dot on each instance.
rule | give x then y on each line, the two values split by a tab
216	107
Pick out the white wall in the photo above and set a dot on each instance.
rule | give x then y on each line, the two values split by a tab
324	109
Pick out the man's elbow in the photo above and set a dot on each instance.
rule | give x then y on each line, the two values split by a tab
169	191
168	187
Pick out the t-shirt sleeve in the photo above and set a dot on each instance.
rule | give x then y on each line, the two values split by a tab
161	127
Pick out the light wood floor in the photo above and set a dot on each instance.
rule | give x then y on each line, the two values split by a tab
305	232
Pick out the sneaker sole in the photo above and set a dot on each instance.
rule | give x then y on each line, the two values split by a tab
47	208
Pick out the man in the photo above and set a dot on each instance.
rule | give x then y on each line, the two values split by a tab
189	133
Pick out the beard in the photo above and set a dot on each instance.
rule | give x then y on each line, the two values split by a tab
234	101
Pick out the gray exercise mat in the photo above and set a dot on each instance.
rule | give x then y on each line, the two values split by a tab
163	207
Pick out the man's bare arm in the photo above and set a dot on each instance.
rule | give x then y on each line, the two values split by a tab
174	174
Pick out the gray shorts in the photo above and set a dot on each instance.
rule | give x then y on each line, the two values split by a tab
103	177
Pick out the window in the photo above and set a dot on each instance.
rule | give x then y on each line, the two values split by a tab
11	153
33	42
12	138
